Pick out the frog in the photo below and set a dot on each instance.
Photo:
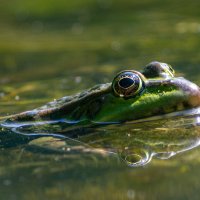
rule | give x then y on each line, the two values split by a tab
154	93
132	95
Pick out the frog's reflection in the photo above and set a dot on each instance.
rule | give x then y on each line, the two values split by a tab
150	140
136	144
140	156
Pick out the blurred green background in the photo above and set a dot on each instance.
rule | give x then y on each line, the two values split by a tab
48	39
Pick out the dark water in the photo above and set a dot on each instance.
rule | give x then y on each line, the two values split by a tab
49	49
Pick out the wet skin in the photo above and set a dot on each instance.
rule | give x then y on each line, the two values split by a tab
132	95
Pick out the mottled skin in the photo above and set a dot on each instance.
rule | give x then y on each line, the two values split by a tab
164	94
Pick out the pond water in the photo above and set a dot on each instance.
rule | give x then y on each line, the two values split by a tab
49	50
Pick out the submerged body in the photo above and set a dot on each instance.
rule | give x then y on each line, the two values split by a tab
132	95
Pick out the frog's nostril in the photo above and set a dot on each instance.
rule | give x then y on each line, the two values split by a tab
126	82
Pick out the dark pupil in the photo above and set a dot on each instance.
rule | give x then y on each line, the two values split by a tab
126	82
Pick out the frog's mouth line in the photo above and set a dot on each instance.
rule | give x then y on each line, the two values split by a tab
194	112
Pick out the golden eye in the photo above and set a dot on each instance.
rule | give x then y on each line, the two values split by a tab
127	84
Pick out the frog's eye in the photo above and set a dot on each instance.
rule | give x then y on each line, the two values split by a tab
128	84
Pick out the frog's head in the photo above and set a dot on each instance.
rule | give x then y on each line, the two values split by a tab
131	83
132	95
155	91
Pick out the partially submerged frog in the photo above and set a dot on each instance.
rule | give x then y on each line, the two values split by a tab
131	96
